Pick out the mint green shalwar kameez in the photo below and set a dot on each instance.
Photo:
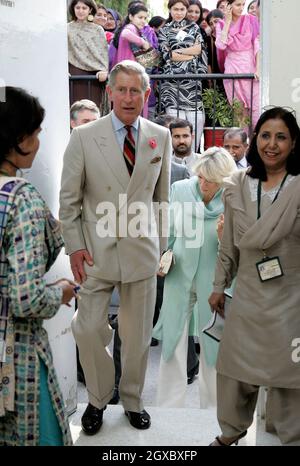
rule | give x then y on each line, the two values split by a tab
194	270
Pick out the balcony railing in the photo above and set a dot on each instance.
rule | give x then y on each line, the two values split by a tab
212	79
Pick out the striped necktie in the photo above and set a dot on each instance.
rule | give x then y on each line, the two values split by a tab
129	150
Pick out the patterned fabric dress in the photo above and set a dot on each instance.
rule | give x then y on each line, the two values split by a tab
30	242
173	36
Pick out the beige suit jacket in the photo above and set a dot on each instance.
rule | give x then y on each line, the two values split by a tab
95	173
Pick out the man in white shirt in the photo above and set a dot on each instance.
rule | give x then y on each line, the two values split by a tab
235	141
182	141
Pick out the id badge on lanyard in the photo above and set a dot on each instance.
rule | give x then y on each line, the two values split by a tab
268	268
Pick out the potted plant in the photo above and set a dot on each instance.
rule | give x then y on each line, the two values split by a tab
222	115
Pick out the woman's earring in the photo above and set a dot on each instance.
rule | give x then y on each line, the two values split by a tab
90	18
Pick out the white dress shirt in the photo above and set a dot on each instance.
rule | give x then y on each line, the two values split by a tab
242	163
121	132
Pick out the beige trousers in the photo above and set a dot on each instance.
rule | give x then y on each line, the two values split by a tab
93	334
236	402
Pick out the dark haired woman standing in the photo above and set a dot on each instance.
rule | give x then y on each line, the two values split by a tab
31	404
129	34
88	53
181	44
261	248
237	38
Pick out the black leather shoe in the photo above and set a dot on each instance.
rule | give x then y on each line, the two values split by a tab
80	377
140	420
191	379
115	398
192	375
92	419
154	342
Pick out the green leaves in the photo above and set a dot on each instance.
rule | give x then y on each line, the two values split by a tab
221	112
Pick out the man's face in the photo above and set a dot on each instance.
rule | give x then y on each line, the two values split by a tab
235	147
83	117
182	140
127	96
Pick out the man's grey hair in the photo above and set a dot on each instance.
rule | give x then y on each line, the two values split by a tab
215	164
236	132
129	67
84	104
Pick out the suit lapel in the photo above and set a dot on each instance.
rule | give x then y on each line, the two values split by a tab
110	150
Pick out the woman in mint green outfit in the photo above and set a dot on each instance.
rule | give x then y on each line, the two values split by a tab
196	205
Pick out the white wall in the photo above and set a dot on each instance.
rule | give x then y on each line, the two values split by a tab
33	55
280	40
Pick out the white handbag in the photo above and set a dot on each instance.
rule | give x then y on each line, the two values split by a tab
166	260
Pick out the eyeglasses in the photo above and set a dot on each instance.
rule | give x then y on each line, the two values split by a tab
288	109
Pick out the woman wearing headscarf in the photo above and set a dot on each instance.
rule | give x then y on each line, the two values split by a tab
195	207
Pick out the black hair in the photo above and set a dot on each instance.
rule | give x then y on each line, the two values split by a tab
21	115
90	3
214	14
199	4
171	3
156	21
251	3
219	3
130	4
179	123
164	120
132	10
257	169
101	6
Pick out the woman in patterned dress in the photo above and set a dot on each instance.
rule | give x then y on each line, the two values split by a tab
88	54
181	44
31	404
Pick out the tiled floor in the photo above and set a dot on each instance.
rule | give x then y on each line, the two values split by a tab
187	426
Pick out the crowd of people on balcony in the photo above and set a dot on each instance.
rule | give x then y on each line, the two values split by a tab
192	40
244	203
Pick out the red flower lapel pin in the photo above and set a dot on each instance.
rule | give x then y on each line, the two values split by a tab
152	143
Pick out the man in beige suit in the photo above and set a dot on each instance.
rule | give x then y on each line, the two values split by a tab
112	168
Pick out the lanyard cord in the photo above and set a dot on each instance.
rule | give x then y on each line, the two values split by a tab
259	194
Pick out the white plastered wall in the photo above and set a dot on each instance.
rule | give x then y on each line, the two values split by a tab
280	39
